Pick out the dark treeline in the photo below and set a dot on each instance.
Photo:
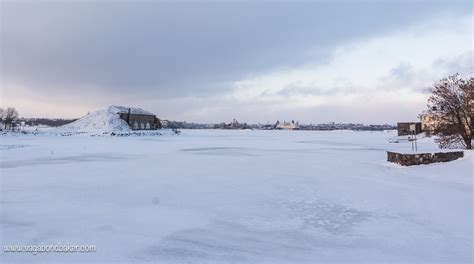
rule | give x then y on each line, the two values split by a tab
53	122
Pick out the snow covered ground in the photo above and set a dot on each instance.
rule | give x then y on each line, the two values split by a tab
213	196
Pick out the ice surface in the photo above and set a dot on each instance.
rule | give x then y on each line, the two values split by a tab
213	196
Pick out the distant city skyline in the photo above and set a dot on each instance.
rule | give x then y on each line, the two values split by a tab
312	62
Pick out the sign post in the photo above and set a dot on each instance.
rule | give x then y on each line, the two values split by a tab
414	145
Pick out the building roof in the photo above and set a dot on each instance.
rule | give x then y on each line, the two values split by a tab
133	110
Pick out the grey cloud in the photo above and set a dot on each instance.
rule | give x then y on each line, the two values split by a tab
180	49
462	64
405	76
297	89
404	71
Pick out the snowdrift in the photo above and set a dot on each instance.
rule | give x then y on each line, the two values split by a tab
104	120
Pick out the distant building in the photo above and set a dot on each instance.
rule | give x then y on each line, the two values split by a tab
287	125
140	120
429	123
233	125
404	128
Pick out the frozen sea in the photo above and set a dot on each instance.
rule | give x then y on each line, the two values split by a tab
214	196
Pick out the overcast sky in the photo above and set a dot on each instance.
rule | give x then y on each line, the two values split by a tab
313	61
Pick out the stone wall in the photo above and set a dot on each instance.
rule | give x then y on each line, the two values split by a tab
423	158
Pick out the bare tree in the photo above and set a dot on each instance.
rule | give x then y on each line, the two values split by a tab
450	104
9	117
2	113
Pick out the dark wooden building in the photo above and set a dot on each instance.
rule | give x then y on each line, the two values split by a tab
404	128
141	121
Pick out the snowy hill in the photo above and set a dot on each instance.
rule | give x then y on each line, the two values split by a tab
103	120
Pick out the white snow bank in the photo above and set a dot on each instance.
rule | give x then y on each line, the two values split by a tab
104	120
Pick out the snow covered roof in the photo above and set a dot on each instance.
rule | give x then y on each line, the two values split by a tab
133	110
